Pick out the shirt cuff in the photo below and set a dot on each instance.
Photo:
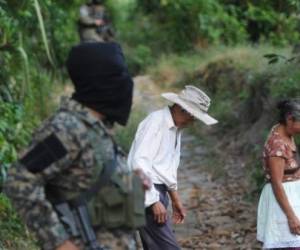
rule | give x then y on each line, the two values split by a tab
151	196
173	187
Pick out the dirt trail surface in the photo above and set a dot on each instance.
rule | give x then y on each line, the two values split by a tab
219	215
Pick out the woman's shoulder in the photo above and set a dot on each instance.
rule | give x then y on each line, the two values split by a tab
275	145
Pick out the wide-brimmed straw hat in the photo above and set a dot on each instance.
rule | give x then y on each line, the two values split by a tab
194	101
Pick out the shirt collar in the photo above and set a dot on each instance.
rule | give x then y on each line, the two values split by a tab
169	118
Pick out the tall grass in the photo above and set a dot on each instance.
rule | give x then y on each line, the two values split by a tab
26	81
43	30
170	69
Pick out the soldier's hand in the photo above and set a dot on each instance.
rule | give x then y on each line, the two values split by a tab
159	212
67	245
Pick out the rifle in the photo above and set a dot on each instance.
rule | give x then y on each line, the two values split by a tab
77	223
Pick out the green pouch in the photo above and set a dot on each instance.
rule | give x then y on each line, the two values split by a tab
120	203
112	196
113	208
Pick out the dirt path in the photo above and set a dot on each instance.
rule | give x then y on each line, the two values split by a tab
219	217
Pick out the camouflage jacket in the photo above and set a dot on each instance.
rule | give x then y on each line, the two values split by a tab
88	14
63	153
88	29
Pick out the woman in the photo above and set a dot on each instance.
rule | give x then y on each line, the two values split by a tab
278	222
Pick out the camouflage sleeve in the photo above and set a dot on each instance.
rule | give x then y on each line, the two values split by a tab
26	181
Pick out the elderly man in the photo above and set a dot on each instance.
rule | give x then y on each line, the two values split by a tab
156	150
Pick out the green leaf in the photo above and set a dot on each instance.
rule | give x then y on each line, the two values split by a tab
274	60
43	31
270	55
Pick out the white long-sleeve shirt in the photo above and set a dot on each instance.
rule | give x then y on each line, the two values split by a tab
156	150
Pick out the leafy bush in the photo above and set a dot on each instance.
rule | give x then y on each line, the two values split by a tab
181	25
30	71
14	132
138	58
242	86
184	23
266	24
286	82
30	66
13	233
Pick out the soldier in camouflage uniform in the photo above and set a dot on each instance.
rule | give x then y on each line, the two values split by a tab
94	24
68	149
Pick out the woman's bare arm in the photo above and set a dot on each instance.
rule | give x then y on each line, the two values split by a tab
276	165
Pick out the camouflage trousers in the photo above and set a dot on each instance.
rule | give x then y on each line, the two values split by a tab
114	240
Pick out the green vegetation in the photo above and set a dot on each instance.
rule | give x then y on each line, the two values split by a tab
216	44
125	135
13	233
164	26
34	40
244	87
31	66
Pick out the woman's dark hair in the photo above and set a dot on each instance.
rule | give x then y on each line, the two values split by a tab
289	107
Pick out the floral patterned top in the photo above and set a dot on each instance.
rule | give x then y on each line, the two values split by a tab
275	146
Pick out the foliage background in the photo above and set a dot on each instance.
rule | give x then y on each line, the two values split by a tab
216	44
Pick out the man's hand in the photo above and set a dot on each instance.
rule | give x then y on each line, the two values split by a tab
159	212
146	181
179	213
67	245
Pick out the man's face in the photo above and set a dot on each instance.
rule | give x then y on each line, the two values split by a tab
182	118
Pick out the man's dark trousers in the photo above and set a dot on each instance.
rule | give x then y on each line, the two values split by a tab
156	236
